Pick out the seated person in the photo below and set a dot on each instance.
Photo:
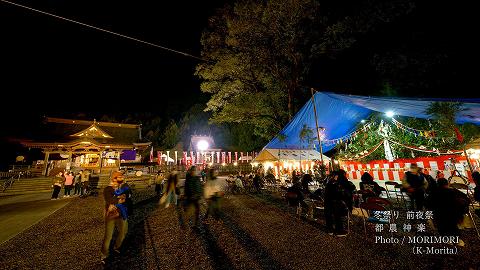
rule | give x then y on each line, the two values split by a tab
371	188
338	202
296	189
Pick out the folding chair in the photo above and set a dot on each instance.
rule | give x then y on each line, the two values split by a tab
390	187
370	207
396	188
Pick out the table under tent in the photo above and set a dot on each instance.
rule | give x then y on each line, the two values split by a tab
283	161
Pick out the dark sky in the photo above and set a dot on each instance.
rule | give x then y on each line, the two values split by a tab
51	66
69	67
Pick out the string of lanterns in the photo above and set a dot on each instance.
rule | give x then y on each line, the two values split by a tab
364	153
425	150
430	134
350	136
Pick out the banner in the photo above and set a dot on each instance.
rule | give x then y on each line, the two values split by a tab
184	158
229	157
159	157
151	154
218	157
128	155
212	159
236	157
438	166
176	157
223	157
241	157
191	158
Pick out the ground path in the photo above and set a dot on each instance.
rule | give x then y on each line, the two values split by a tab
255	232
19	212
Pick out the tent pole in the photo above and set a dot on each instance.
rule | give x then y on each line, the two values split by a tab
468	158
316	124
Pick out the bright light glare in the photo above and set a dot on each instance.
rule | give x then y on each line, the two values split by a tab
202	145
363	121
390	114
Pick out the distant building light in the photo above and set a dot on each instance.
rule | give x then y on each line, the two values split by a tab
202	145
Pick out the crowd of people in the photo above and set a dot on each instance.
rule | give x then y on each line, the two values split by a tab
69	180
338	194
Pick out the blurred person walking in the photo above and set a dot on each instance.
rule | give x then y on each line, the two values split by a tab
159	182
193	194
170	194
415	184
213	194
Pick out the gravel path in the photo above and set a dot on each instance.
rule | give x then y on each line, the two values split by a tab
255	232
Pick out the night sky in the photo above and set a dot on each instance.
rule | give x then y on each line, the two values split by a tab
66	67
52	67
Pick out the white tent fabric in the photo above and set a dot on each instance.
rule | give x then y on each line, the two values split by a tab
268	154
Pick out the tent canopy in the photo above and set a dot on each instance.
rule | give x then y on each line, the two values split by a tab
340	114
288	154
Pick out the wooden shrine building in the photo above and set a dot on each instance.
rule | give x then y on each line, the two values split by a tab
85	145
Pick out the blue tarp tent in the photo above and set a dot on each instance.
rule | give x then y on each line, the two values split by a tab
340	114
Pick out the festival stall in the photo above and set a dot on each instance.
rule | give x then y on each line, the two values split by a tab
287	160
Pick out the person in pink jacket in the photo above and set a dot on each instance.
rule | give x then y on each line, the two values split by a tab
68	184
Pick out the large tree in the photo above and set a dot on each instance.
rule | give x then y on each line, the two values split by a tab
258	54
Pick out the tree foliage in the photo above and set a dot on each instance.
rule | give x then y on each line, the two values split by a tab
259	53
171	135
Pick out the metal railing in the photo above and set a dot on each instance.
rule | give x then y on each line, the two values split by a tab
10	181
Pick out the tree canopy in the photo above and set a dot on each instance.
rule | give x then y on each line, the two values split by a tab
259	53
